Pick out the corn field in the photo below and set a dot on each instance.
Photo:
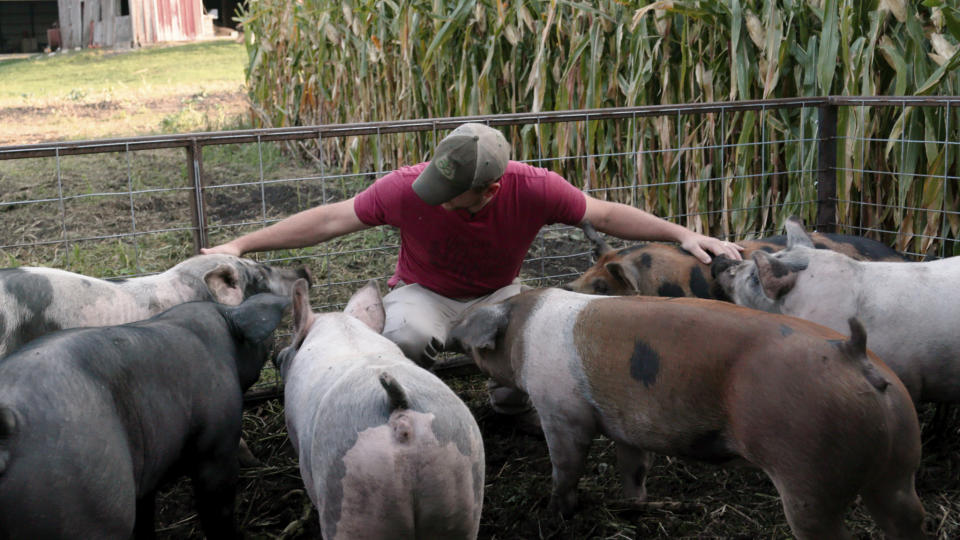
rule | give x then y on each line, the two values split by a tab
320	62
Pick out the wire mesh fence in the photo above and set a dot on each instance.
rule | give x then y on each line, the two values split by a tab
134	207
901	187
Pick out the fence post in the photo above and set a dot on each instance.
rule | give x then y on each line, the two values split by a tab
827	168
195	172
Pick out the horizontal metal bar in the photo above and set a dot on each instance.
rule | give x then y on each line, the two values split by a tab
910	101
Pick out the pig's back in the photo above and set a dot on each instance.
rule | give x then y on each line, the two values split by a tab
131	372
37	301
638	355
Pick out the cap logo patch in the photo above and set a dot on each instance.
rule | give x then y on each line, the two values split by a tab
445	166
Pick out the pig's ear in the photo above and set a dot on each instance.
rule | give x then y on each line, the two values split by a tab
259	316
776	278
721	263
303	316
626	273
223	282
480	327
366	305
796	235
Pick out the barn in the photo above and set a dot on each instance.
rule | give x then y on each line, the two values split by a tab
30	26
129	23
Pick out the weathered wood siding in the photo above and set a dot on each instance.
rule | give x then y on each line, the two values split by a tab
97	23
168	20
70	23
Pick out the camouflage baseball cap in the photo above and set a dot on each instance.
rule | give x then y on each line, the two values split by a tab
471	156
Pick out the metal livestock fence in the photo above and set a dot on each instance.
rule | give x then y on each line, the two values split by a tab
883	167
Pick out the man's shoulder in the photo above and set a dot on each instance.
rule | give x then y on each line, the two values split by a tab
526	177
407	173
524	170
398	181
387	196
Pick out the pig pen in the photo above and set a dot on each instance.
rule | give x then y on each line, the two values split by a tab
686	498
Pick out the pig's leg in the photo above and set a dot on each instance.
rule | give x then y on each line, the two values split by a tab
892	501
568	440
215	486
891	496
898	512
634	464
811	515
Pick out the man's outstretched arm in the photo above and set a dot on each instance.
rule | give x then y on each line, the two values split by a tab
306	228
631	223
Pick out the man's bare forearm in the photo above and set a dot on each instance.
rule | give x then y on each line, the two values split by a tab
306	228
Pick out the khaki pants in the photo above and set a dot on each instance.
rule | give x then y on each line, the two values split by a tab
419	322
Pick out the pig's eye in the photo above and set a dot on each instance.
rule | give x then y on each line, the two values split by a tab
755	279
600	286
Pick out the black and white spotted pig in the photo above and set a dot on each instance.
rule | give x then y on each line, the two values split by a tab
386	449
93	420
35	301
822	417
668	270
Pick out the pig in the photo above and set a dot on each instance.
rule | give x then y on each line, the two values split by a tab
912	311
94	420
35	301
668	270
386	449
820	415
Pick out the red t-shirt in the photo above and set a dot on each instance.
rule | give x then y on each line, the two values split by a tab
461	255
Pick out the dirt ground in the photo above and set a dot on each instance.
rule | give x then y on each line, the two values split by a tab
687	499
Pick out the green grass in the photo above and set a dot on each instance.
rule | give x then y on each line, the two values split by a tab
78	75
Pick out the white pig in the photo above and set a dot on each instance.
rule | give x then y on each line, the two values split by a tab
911	311
386	449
